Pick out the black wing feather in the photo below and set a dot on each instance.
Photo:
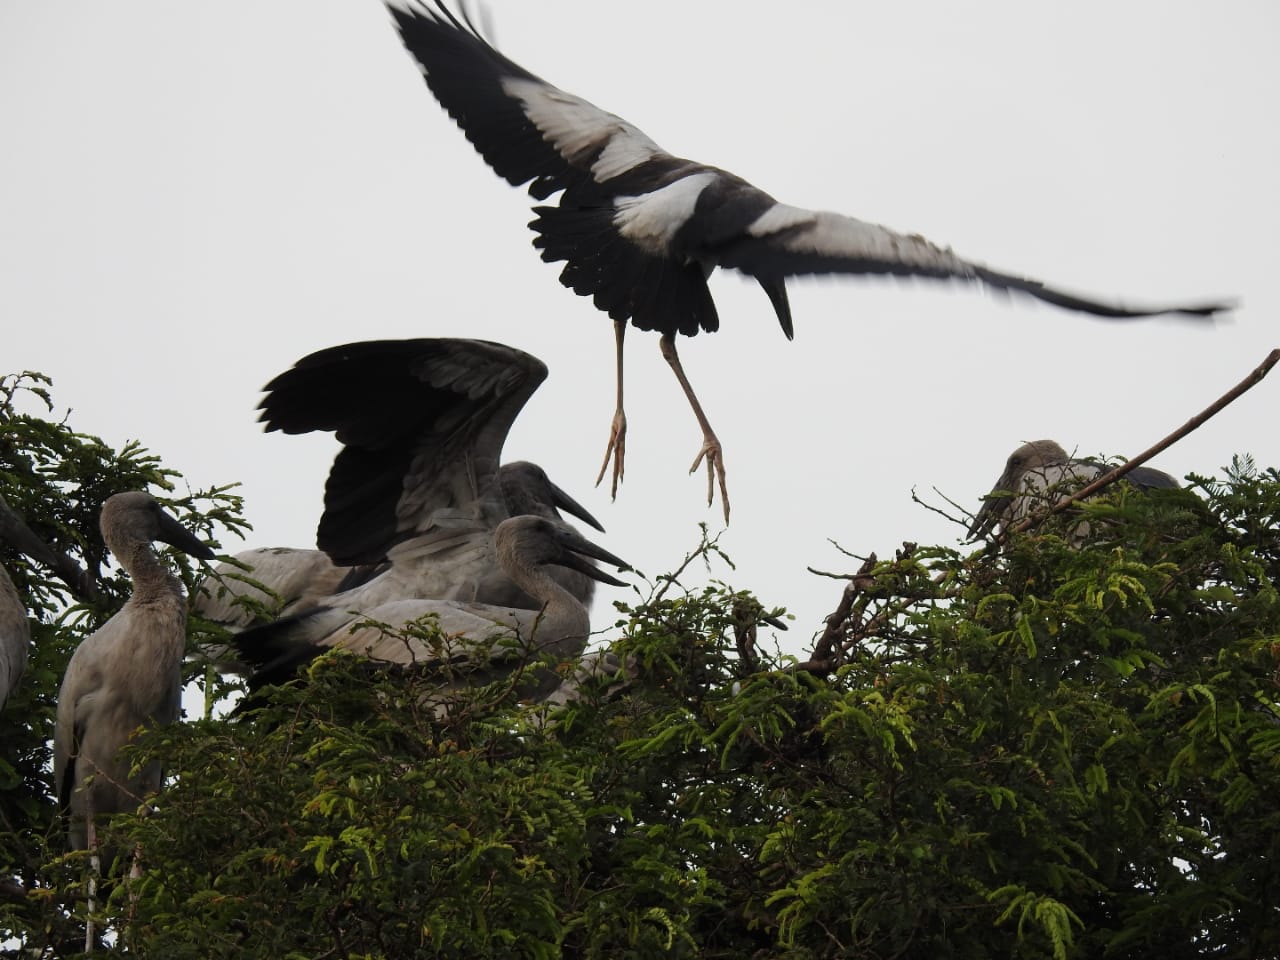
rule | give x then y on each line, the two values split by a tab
465	74
424	419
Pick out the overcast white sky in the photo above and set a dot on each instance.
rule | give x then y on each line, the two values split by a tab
194	196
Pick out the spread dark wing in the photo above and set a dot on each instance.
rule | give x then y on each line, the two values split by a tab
527	130
422	424
789	241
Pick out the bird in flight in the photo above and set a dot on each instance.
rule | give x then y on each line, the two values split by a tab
639	229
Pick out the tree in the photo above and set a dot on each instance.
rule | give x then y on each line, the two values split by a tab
57	479
1038	748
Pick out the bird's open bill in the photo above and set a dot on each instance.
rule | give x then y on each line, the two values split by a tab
580	547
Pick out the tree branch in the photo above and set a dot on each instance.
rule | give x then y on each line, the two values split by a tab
1248	383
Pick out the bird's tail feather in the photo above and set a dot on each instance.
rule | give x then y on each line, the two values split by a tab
655	293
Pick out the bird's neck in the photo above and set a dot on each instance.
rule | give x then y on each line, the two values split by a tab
537	581
564	619
151	578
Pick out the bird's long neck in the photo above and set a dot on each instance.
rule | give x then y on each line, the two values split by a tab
152	581
564	622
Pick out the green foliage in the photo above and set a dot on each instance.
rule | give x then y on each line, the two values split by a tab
1054	748
57	480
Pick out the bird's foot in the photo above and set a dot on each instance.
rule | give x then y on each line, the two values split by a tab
712	453
616	452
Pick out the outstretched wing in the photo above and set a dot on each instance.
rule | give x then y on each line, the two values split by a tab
786	241
422	424
527	130
639	228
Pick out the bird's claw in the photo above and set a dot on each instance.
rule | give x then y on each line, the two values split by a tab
616	452
714	455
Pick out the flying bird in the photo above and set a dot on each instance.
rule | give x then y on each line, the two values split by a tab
639	229
126	674
416	493
481	640
1041	471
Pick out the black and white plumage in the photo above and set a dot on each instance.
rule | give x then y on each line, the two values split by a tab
640	230
416	493
126	674
1040	473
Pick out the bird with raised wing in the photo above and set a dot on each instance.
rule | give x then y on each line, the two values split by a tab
639	229
479	641
1038	474
126	674
416	493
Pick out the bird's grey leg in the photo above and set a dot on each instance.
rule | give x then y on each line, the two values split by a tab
711	450
618	430
95	868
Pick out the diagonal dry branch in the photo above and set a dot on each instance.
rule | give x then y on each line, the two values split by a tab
1248	383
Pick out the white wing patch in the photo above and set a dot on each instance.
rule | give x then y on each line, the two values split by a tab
577	129
779	217
837	236
651	220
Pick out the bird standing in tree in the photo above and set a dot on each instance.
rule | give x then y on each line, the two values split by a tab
126	674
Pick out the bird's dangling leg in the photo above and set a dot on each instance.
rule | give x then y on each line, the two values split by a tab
711	450
617	448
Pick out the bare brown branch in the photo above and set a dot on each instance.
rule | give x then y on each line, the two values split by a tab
1248	383
835	623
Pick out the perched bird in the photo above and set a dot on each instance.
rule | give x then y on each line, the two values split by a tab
416	493
126	674
15	631
283	581
480	640
278	581
1040	472
640	229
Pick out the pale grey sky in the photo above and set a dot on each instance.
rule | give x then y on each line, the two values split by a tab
194	196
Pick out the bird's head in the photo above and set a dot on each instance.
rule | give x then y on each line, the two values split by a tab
1030	456
539	541
137	517
527	489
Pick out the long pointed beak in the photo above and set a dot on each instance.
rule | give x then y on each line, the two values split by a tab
176	535
581	547
572	507
993	505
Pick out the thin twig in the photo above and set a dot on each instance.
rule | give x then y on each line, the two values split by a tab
702	550
940	512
